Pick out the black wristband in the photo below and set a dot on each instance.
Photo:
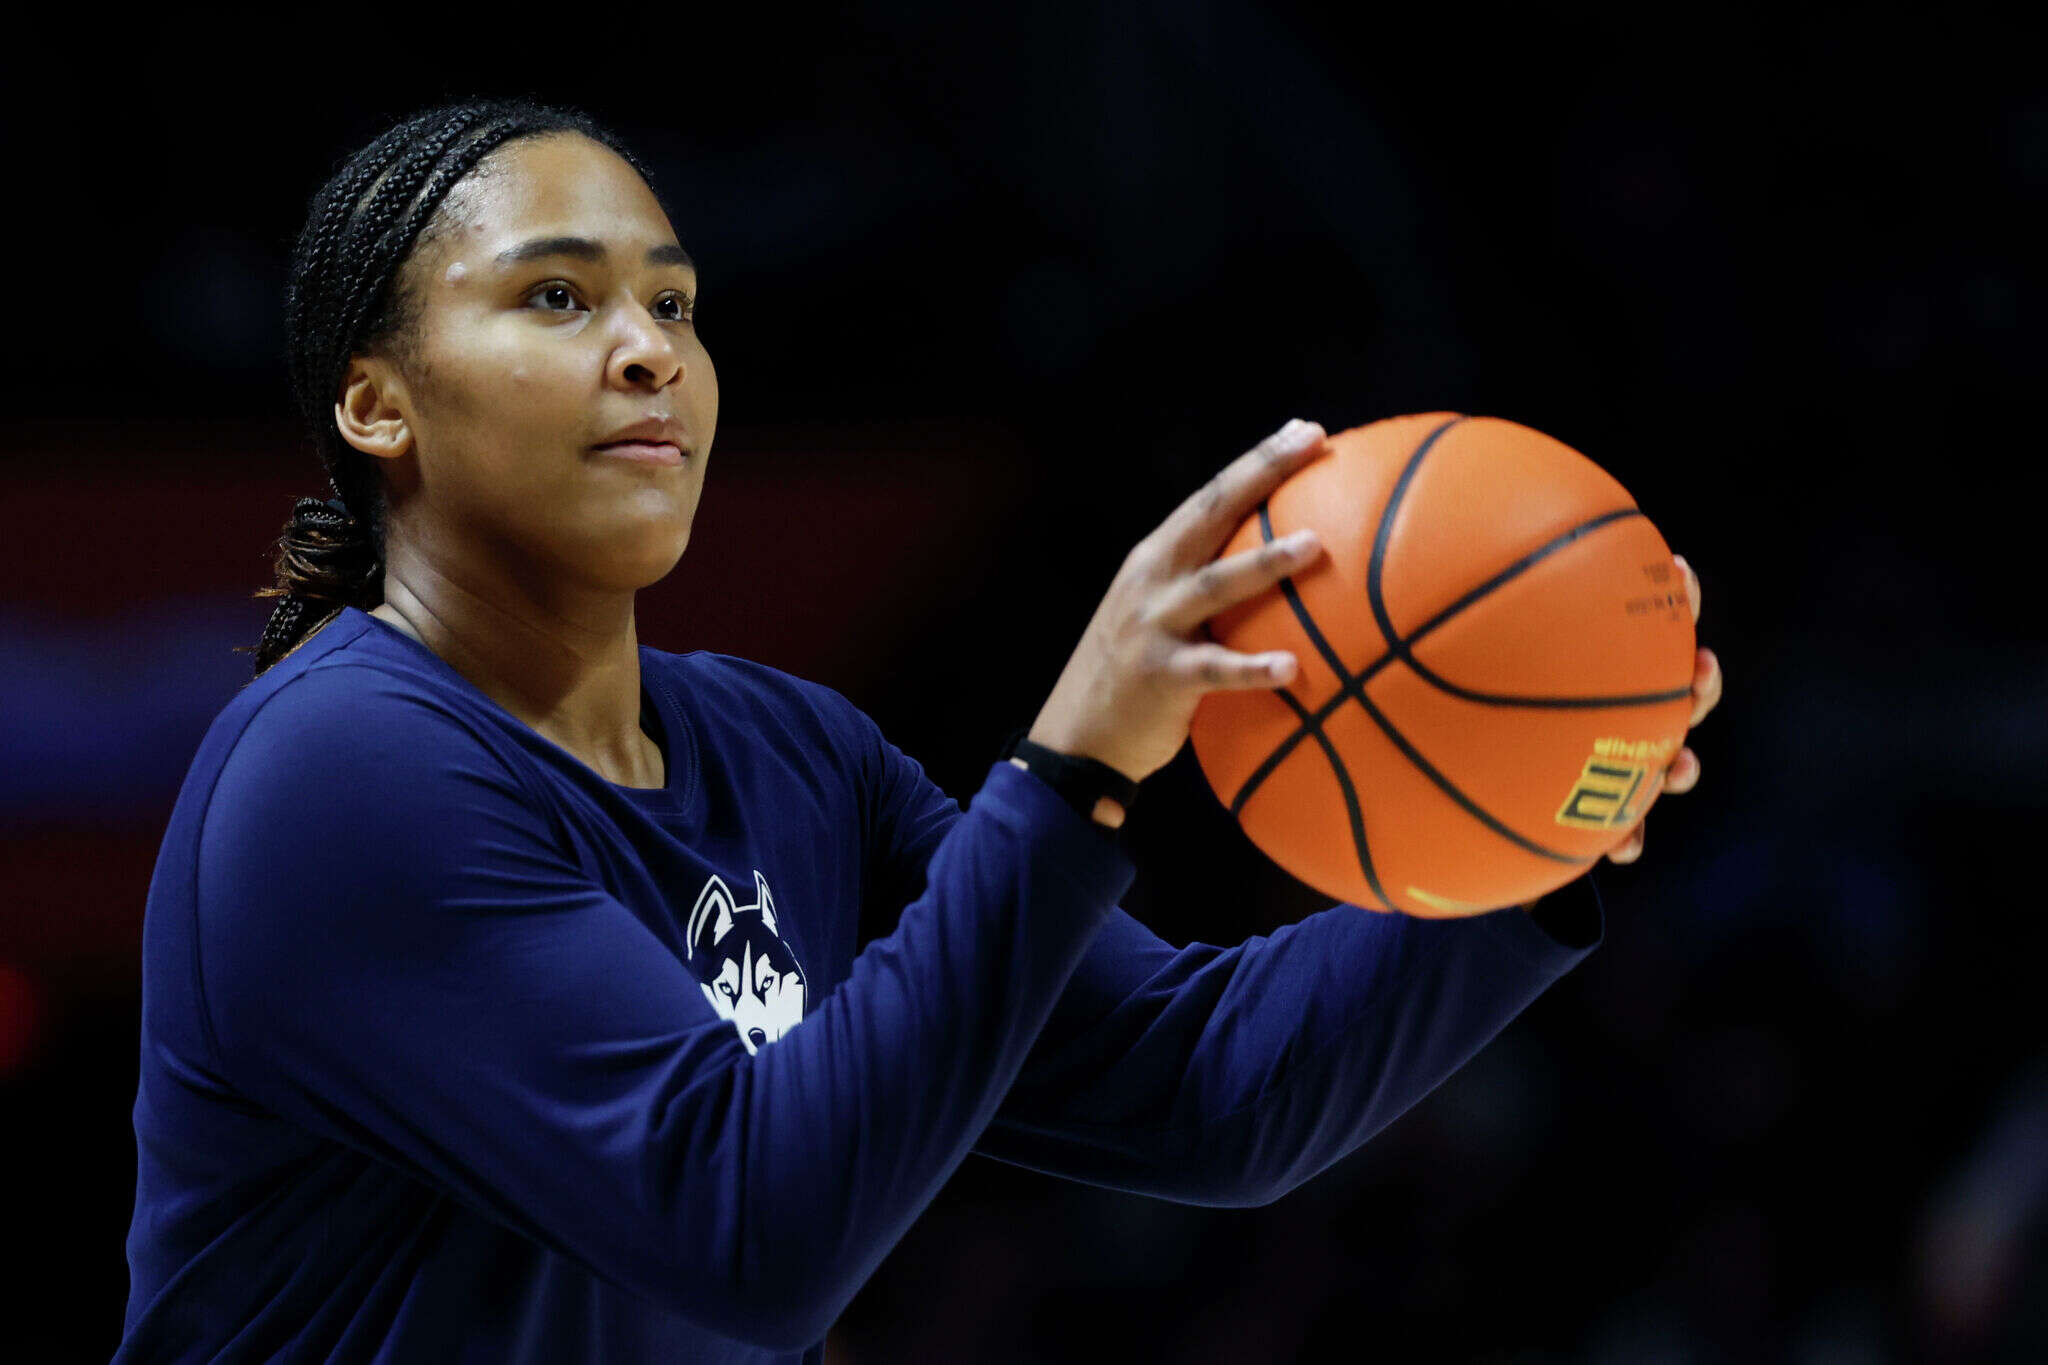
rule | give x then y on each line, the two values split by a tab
1080	781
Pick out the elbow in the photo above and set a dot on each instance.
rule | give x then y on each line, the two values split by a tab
787	1326
1254	1184
784	1306
1239	1191
791	1318
1250	1194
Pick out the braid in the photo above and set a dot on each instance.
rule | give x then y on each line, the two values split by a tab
395	219
347	296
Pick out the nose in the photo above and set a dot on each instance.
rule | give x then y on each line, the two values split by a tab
645	357
757	1036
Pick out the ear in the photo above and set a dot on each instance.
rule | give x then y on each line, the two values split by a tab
710	919
370	414
766	902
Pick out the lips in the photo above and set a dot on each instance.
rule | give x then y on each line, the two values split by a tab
645	452
655	429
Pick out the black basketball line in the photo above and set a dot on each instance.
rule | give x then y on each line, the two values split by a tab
1385	532
1351	806
1374	595
1401	645
1353	685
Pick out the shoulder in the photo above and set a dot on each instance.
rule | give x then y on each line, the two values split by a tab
340	709
356	743
354	794
349	685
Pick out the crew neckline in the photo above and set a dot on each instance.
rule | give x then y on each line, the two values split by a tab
678	742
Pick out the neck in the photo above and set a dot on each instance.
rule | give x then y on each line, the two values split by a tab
567	665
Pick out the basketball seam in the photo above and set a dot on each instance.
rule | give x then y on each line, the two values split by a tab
1344	784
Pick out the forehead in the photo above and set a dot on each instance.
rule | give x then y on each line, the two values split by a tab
559	184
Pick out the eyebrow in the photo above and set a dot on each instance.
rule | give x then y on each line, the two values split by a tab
583	248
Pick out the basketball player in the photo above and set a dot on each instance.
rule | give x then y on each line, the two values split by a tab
503	992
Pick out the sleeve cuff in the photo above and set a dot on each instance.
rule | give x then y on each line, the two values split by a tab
1565	926
1091	855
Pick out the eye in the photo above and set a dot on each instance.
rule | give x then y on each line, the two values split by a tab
685	307
551	291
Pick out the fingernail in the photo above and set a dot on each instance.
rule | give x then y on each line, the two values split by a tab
1300	540
1679	560
1299	435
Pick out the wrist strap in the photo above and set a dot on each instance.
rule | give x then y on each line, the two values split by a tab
1080	781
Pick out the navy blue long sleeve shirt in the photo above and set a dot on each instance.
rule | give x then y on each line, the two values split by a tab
453	1050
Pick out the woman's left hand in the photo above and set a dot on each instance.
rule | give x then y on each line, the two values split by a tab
1683	772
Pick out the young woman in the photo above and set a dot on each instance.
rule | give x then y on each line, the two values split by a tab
503	994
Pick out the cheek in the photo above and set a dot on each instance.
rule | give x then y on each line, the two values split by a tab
703	382
504	419
525	396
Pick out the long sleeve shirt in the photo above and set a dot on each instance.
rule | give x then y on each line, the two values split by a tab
453	1050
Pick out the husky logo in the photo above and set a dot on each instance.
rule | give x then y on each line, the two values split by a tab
748	973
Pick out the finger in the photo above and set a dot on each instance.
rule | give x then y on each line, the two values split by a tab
1198	595
1198	528
1629	849
1692	586
1212	668
1706	685
1684	773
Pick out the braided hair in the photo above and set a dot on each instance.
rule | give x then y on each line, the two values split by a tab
348	295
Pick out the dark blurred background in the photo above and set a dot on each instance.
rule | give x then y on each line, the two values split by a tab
989	293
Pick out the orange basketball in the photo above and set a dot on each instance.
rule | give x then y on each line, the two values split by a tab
1495	669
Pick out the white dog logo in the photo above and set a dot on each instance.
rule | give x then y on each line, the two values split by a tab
748	973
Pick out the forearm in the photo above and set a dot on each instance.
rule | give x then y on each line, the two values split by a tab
1228	1076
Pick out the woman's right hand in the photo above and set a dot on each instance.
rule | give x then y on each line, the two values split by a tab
1128	695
